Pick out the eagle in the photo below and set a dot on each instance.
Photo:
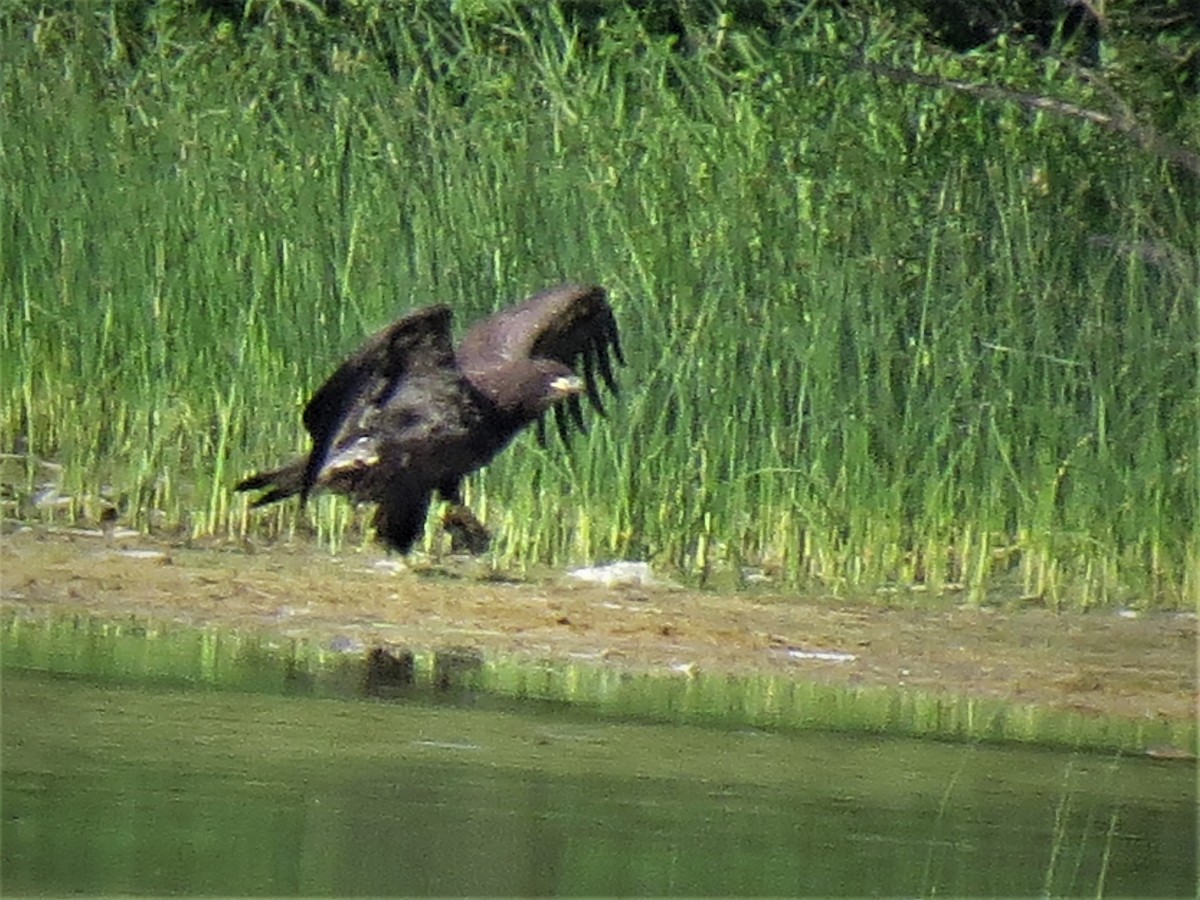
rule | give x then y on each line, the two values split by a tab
407	415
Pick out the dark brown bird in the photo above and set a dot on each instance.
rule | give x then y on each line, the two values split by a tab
407	416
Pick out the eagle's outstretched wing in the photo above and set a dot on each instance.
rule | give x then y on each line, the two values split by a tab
418	343
572	324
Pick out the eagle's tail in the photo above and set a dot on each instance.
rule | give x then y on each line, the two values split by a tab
283	483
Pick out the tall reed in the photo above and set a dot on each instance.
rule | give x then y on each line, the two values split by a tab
878	333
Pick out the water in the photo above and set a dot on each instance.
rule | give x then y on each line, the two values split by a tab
136	788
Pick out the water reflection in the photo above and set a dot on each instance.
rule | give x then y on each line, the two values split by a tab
154	790
137	651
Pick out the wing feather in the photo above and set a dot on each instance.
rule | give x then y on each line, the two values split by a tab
417	342
573	324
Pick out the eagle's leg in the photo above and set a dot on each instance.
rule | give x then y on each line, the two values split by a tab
467	533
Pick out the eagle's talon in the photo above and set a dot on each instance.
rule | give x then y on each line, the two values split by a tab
467	533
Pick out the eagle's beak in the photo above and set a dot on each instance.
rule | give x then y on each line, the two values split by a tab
566	385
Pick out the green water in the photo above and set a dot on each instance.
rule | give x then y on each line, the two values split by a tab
143	789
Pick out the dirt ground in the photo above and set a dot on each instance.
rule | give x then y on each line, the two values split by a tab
1134	666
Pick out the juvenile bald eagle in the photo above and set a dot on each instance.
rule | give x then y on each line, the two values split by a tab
407	416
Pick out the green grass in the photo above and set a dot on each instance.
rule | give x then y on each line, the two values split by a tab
146	652
877	333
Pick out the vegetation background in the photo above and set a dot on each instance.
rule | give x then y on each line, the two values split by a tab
910	291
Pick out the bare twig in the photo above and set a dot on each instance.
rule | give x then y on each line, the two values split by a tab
1123	122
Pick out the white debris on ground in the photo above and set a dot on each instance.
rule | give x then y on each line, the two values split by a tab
820	655
66	531
149	555
617	574
755	575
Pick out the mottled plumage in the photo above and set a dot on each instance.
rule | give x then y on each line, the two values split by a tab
406	415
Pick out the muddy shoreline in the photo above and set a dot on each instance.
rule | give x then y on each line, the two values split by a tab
1139	667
